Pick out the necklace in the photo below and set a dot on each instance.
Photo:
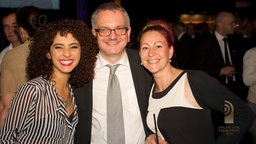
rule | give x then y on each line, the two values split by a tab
63	93
66	103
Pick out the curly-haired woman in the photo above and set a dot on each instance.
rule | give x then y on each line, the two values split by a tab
62	55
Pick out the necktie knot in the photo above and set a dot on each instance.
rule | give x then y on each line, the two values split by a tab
113	68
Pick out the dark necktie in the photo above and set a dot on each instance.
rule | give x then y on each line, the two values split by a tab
115	122
227	62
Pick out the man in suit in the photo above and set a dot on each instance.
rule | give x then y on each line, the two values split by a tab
224	65
184	46
111	27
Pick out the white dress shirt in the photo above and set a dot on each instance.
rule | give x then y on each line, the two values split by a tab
134	131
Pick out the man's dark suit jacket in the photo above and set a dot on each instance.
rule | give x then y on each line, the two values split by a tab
83	95
209	57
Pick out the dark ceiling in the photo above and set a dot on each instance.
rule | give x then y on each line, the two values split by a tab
140	10
171	9
167	8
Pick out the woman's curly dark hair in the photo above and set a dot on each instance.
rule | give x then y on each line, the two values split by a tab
39	65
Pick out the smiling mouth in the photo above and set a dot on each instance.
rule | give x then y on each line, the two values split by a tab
66	62
153	61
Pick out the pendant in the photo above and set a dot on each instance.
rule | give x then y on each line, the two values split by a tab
66	104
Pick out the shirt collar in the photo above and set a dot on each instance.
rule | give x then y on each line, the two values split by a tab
219	36
101	62
180	35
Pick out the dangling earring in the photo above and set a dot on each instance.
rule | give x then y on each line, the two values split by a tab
141	63
170	60
48	56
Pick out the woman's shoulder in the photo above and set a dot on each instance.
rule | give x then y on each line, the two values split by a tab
38	82
196	73
36	86
200	77
251	51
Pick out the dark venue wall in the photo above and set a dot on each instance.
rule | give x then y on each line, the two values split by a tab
142	10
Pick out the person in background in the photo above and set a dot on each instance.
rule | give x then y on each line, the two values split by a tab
111	26
180	102
184	46
9	25
13	73
62	56
191	30
249	78
212	58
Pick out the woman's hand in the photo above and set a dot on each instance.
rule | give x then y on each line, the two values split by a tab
151	139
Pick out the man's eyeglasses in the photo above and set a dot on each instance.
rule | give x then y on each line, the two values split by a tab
107	31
